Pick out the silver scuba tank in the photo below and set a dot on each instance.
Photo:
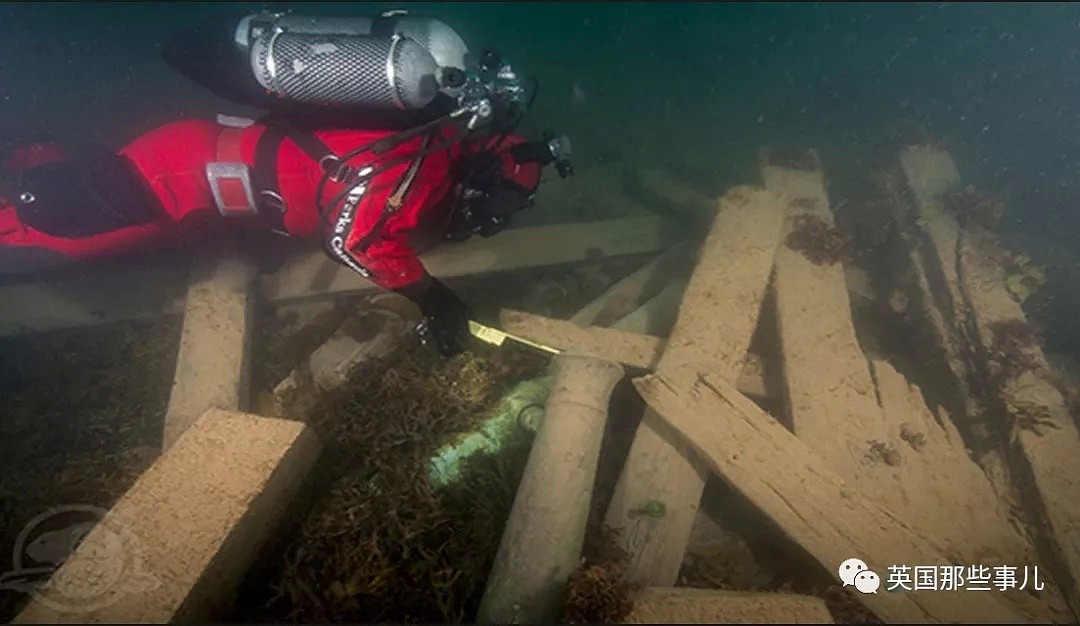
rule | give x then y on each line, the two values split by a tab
392	61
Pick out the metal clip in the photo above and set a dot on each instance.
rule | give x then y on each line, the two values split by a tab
236	197
233	121
337	171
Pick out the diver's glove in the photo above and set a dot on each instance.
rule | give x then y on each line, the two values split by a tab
446	318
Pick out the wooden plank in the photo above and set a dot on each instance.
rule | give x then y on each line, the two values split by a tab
374	332
611	344
811	503
625	296
633	349
835	404
1049	455
935	295
943	493
657	316
661	189
541	545
680	605
176	546
314	275
92	298
716	321
828	390
212	365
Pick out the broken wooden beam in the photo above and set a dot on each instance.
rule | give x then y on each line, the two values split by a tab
925	175
811	503
867	429
541	544
938	489
371	333
1045	438
681	605
314	274
212	364
716	321
177	545
633	290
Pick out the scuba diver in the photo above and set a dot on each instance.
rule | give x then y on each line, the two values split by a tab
378	139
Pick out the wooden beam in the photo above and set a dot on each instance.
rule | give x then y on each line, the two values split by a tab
177	545
213	364
633	349
1048	452
612	344
681	605
929	243
870	430
661	189
92	297
657	316
374	332
633	290
716	321
828	390
541	545
937	488
811	503
314	275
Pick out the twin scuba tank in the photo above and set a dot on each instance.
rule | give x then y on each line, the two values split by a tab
393	61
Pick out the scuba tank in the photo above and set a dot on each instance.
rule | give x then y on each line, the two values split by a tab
391	64
392	61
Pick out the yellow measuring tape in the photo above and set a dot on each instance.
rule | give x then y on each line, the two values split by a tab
496	337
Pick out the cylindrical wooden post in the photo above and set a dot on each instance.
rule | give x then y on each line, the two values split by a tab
542	542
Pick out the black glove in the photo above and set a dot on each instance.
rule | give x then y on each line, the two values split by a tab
446	318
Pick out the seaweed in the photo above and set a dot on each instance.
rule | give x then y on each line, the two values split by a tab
600	592
884	452
1022	277
1014	350
1031	417
383	543
819	241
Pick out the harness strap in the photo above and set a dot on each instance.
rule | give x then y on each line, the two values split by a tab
397	197
265	170
229	177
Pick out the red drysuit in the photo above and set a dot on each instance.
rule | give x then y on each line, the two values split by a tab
168	166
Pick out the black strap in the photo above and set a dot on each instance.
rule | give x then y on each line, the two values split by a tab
265	174
397	197
311	145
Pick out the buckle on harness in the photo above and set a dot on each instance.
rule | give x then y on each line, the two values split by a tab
230	183
335	169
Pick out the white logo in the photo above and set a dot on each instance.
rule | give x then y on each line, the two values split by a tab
854	572
111	568
867	582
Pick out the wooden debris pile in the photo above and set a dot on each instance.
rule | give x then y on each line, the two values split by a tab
928	434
